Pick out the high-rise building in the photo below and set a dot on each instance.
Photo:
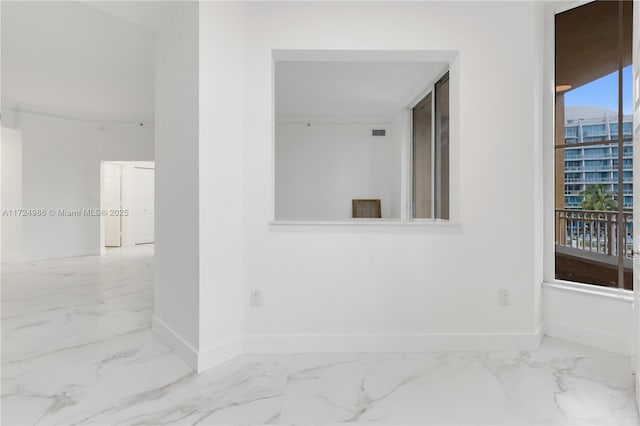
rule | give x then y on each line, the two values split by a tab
596	164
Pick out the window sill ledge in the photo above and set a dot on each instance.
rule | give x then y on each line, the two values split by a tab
592	290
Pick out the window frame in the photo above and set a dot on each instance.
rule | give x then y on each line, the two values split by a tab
452	60
548	162
431	90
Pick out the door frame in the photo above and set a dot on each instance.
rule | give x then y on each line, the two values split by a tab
103	165
635	73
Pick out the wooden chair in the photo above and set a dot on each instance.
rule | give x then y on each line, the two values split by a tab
366	209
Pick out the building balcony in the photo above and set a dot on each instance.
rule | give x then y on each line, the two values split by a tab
596	157
587	247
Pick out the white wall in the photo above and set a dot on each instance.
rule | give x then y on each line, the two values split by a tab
222	204
542	92
344	288
61	170
199	179
588	318
11	168
67	58
200	111
322	167
176	272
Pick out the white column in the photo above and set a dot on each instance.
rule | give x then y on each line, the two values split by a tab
177	257
222	123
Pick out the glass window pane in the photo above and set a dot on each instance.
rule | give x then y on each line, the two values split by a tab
591	111
586	215
442	149
587	71
593	225
422	156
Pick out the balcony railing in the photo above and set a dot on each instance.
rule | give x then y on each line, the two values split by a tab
594	231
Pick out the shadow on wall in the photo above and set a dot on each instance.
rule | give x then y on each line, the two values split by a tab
11	166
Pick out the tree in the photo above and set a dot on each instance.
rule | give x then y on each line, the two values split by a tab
595	197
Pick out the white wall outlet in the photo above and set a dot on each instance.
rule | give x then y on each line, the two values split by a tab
504	298
256	298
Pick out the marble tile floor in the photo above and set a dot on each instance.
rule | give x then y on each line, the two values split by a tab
77	349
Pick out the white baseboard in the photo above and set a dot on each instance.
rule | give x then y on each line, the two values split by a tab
393	342
203	360
199	361
180	346
218	354
20	258
586	336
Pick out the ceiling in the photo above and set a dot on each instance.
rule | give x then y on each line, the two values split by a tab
147	14
349	92
74	60
587	32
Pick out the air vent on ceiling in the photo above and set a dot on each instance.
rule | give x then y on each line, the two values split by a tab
378	132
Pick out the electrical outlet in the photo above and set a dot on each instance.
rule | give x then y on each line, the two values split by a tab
504	298
255	299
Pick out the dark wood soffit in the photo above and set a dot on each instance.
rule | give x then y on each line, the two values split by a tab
587	41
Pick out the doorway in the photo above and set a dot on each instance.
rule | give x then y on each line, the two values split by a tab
127	203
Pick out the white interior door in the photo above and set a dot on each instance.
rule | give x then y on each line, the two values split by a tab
636	192
112	187
143	205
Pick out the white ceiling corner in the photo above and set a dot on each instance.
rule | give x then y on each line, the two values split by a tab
349	92
75	60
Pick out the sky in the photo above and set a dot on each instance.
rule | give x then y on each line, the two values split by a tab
604	92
